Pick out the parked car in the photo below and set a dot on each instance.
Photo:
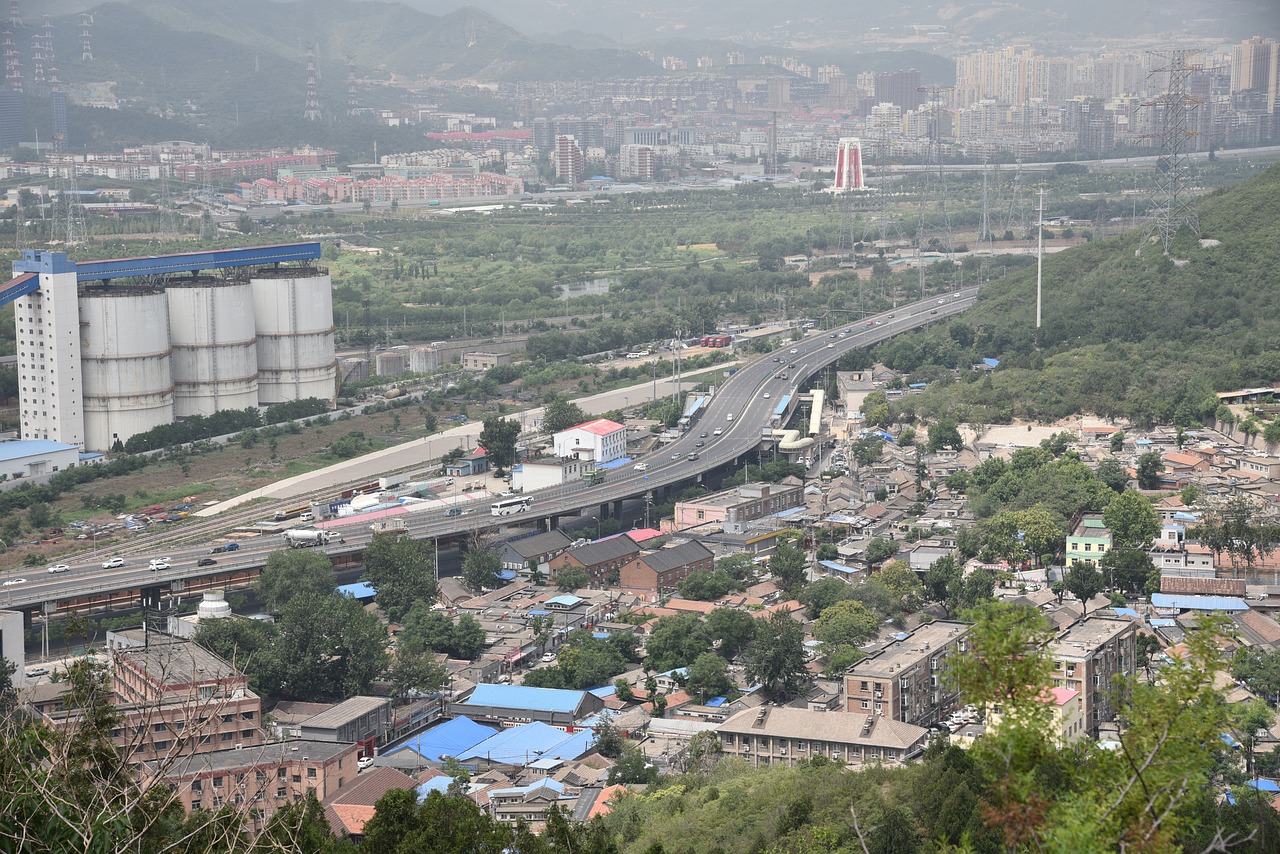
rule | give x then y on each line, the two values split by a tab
364	762
548	657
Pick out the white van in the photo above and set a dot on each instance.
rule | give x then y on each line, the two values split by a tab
730	416
641	466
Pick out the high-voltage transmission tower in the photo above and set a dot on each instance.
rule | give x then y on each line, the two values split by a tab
933	188
1015	219
312	111
86	44
1172	206
67	226
353	102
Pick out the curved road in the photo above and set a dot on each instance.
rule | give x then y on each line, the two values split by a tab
739	409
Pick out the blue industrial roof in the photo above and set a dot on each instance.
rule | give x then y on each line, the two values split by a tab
782	405
717	702
191	262
574	746
524	697
521	745
1198	603
1264	785
30	448
506	574
991	363
1163	624
448	739
1127	612
554	785
835	566
358	590
567	600
603	691
694	405
790	511
916	385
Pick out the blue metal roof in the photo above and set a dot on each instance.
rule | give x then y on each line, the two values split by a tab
1127	612
517	745
613	464
30	448
1264	785
991	363
448	739
525	697
435	784
358	590
603	691
566	600
1163	624
782	405
694	405
841	568
193	262
1198	603
717	702
19	286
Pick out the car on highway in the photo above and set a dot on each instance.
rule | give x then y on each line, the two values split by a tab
935	311
766	395
641	466
892	316
206	561
693	455
833	334
794	351
14	581
453	511
777	358
677	455
829	346
59	567
229	547
699	443
158	563
717	432
113	562
702	435
869	323
942	302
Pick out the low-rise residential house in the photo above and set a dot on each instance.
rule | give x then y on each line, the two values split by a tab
602	560
476	462
660	570
362	720
1088	541
785	736
907	680
530	803
349	808
598	441
734	508
1268	467
533	551
1090	656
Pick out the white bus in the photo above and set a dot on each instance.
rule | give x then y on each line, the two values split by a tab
509	506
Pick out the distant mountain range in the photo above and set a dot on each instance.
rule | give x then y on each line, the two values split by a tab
819	22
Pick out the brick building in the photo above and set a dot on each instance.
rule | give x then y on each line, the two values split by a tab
907	680
1089	656
785	736
660	570
603	560
733	508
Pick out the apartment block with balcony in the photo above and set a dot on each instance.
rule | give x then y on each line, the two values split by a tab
785	736
908	680
1090	656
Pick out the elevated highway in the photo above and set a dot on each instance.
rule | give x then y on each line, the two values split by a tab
742	409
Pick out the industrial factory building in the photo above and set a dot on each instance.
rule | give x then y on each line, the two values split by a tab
109	349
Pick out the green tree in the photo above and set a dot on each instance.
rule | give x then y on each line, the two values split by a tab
1132	520
402	570
403	825
414	674
293	572
944	433
819	595
775	658
676	641
1259	670
730	630
1113	474
572	578
609	739
247	644
1117	441
1128	569
846	623
706	585
787	565
498	438
708	677
1083	581
480	568
329	648
880	550
868	450
561	414
632	767
1150	466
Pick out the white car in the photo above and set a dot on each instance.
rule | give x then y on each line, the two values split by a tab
766	395
794	351
548	657
59	567
37	671
14	581
829	346
112	563
641	466
364	762
717	432
159	563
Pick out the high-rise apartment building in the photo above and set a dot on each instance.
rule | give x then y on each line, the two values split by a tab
1255	67
899	87
569	160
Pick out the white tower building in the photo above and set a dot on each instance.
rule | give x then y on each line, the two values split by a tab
48	331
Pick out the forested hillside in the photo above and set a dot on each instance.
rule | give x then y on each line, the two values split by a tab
1147	337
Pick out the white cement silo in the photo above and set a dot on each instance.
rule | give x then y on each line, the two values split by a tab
125	363
215	345
293	311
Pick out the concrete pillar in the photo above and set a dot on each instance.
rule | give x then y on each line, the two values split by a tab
617	509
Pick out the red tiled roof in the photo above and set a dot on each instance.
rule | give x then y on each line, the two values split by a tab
600	427
353	816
